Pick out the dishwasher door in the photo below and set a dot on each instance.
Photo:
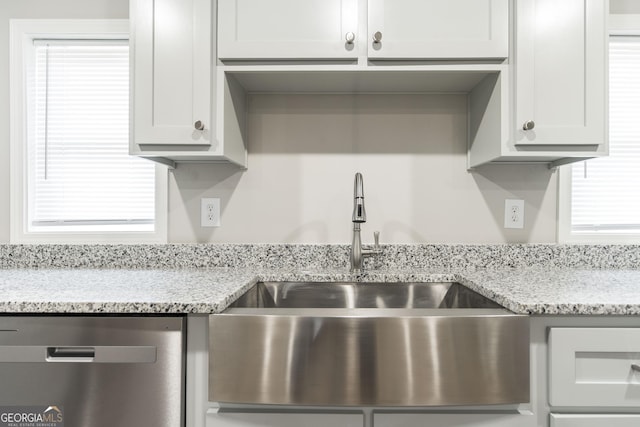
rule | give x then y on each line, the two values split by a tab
101	371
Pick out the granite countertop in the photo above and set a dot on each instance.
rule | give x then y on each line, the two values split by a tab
540	291
121	290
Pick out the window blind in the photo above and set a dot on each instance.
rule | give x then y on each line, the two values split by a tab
80	172
605	194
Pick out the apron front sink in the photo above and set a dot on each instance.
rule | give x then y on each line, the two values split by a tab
368	344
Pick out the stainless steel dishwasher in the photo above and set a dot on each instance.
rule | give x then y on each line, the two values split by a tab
92	371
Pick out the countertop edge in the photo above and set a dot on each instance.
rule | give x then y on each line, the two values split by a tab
209	291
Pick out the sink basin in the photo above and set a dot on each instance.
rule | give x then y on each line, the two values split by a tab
367	344
362	295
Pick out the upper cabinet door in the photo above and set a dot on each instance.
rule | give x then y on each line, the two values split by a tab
171	72
287	29
438	29
560	64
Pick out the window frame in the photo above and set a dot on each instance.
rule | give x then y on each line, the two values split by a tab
22	33
619	25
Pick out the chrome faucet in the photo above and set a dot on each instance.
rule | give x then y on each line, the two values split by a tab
358	253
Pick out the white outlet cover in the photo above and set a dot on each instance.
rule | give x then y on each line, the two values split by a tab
514	213
210	212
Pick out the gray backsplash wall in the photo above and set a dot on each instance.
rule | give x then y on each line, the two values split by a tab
411	150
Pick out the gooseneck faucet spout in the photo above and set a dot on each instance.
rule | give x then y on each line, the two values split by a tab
358	253
359	214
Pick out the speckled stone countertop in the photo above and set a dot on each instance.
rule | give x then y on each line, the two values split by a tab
190	291
120	291
525	278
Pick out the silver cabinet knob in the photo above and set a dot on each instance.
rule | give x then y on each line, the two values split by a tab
198	125
350	37
377	37
528	125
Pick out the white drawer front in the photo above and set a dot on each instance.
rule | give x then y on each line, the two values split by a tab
217	418
453	420
593	367
594	420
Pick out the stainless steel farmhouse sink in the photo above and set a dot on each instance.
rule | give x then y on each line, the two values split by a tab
368	344
362	295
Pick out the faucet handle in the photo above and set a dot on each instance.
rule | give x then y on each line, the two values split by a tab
376	240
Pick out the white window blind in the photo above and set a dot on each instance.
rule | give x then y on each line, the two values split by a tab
80	173
605	193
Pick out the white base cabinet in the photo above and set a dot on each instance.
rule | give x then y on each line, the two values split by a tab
594	420
218	418
232	418
477	419
609	342
594	367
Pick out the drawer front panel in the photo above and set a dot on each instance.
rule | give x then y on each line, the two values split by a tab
452	419
594	420
224	418
594	367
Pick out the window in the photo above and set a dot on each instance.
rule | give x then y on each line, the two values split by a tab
599	199
73	179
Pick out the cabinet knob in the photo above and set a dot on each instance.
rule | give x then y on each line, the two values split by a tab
528	125
635	367
198	125
350	37
377	37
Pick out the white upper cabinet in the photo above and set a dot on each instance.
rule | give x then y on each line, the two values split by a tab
437	29
182	108
560	66
330	29
554	109
171	58
287	29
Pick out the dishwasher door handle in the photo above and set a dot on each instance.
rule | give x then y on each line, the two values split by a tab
71	354
78	354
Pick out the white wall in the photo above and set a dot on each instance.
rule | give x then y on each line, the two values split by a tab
36	9
411	149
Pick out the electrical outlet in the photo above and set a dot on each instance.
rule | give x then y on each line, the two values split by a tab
513	213
210	212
